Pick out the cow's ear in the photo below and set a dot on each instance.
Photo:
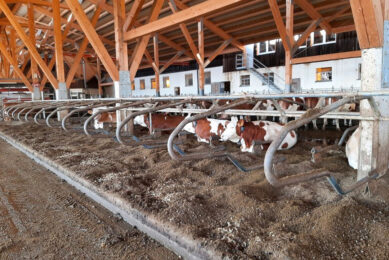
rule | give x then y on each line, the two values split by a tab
240	123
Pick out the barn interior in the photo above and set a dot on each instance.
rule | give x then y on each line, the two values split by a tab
200	129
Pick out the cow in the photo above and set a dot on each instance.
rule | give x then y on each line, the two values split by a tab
352	148
257	131
207	128
159	121
104	117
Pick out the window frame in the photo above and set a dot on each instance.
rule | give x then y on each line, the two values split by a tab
166	83
321	72
191	77
205	78
140	84
324	37
153	86
242	80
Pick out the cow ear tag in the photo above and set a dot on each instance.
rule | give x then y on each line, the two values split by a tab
241	128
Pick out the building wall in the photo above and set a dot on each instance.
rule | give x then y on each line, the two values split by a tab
177	79
344	76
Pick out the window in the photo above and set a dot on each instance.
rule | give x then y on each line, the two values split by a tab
266	47
359	71
245	80
321	37
153	83
239	63
207	77
188	80
142	84
303	45
324	74
166	82
270	75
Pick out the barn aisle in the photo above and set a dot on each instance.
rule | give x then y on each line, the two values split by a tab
43	217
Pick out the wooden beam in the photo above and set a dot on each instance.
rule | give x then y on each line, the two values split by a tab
142	44
327	57
31	28
170	61
183	16
217	52
280	24
314	14
215	29
93	38
36	2
52	61
156	64
185	32
31	47
58	42
121	47
290	36
6	55
80	53
200	55
368	20
133	14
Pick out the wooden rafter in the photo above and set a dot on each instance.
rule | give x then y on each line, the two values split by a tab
280	24
10	59
93	38
58	42
31	47
142	44
179	17
314	14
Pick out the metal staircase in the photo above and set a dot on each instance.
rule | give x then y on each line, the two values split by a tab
268	79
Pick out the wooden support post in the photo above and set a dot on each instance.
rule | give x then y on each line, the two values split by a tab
200	28
288	53
31	28
98	69
58	42
156	65
119	8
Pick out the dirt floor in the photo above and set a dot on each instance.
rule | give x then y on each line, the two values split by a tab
236	213
44	218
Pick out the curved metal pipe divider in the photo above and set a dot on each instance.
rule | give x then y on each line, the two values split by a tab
44	108
13	109
31	106
94	105
211	154
149	144
32	109
113	109
65	107
306	118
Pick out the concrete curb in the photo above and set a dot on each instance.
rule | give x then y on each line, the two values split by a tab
168	236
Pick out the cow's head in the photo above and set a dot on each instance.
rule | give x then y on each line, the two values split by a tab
140	120
190	127
230	131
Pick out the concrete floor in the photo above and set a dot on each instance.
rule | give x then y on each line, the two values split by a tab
45	218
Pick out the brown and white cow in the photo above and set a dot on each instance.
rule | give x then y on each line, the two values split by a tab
207	128
159	121
257	131
105	117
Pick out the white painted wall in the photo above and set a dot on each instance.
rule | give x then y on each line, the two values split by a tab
344	76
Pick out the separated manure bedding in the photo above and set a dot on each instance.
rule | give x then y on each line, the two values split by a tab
238	214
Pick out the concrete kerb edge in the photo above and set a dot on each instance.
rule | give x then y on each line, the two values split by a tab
173	240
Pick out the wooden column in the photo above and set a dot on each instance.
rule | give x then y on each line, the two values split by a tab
31	28
98	69
119	8
200	55
156	65
58	42
288	53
